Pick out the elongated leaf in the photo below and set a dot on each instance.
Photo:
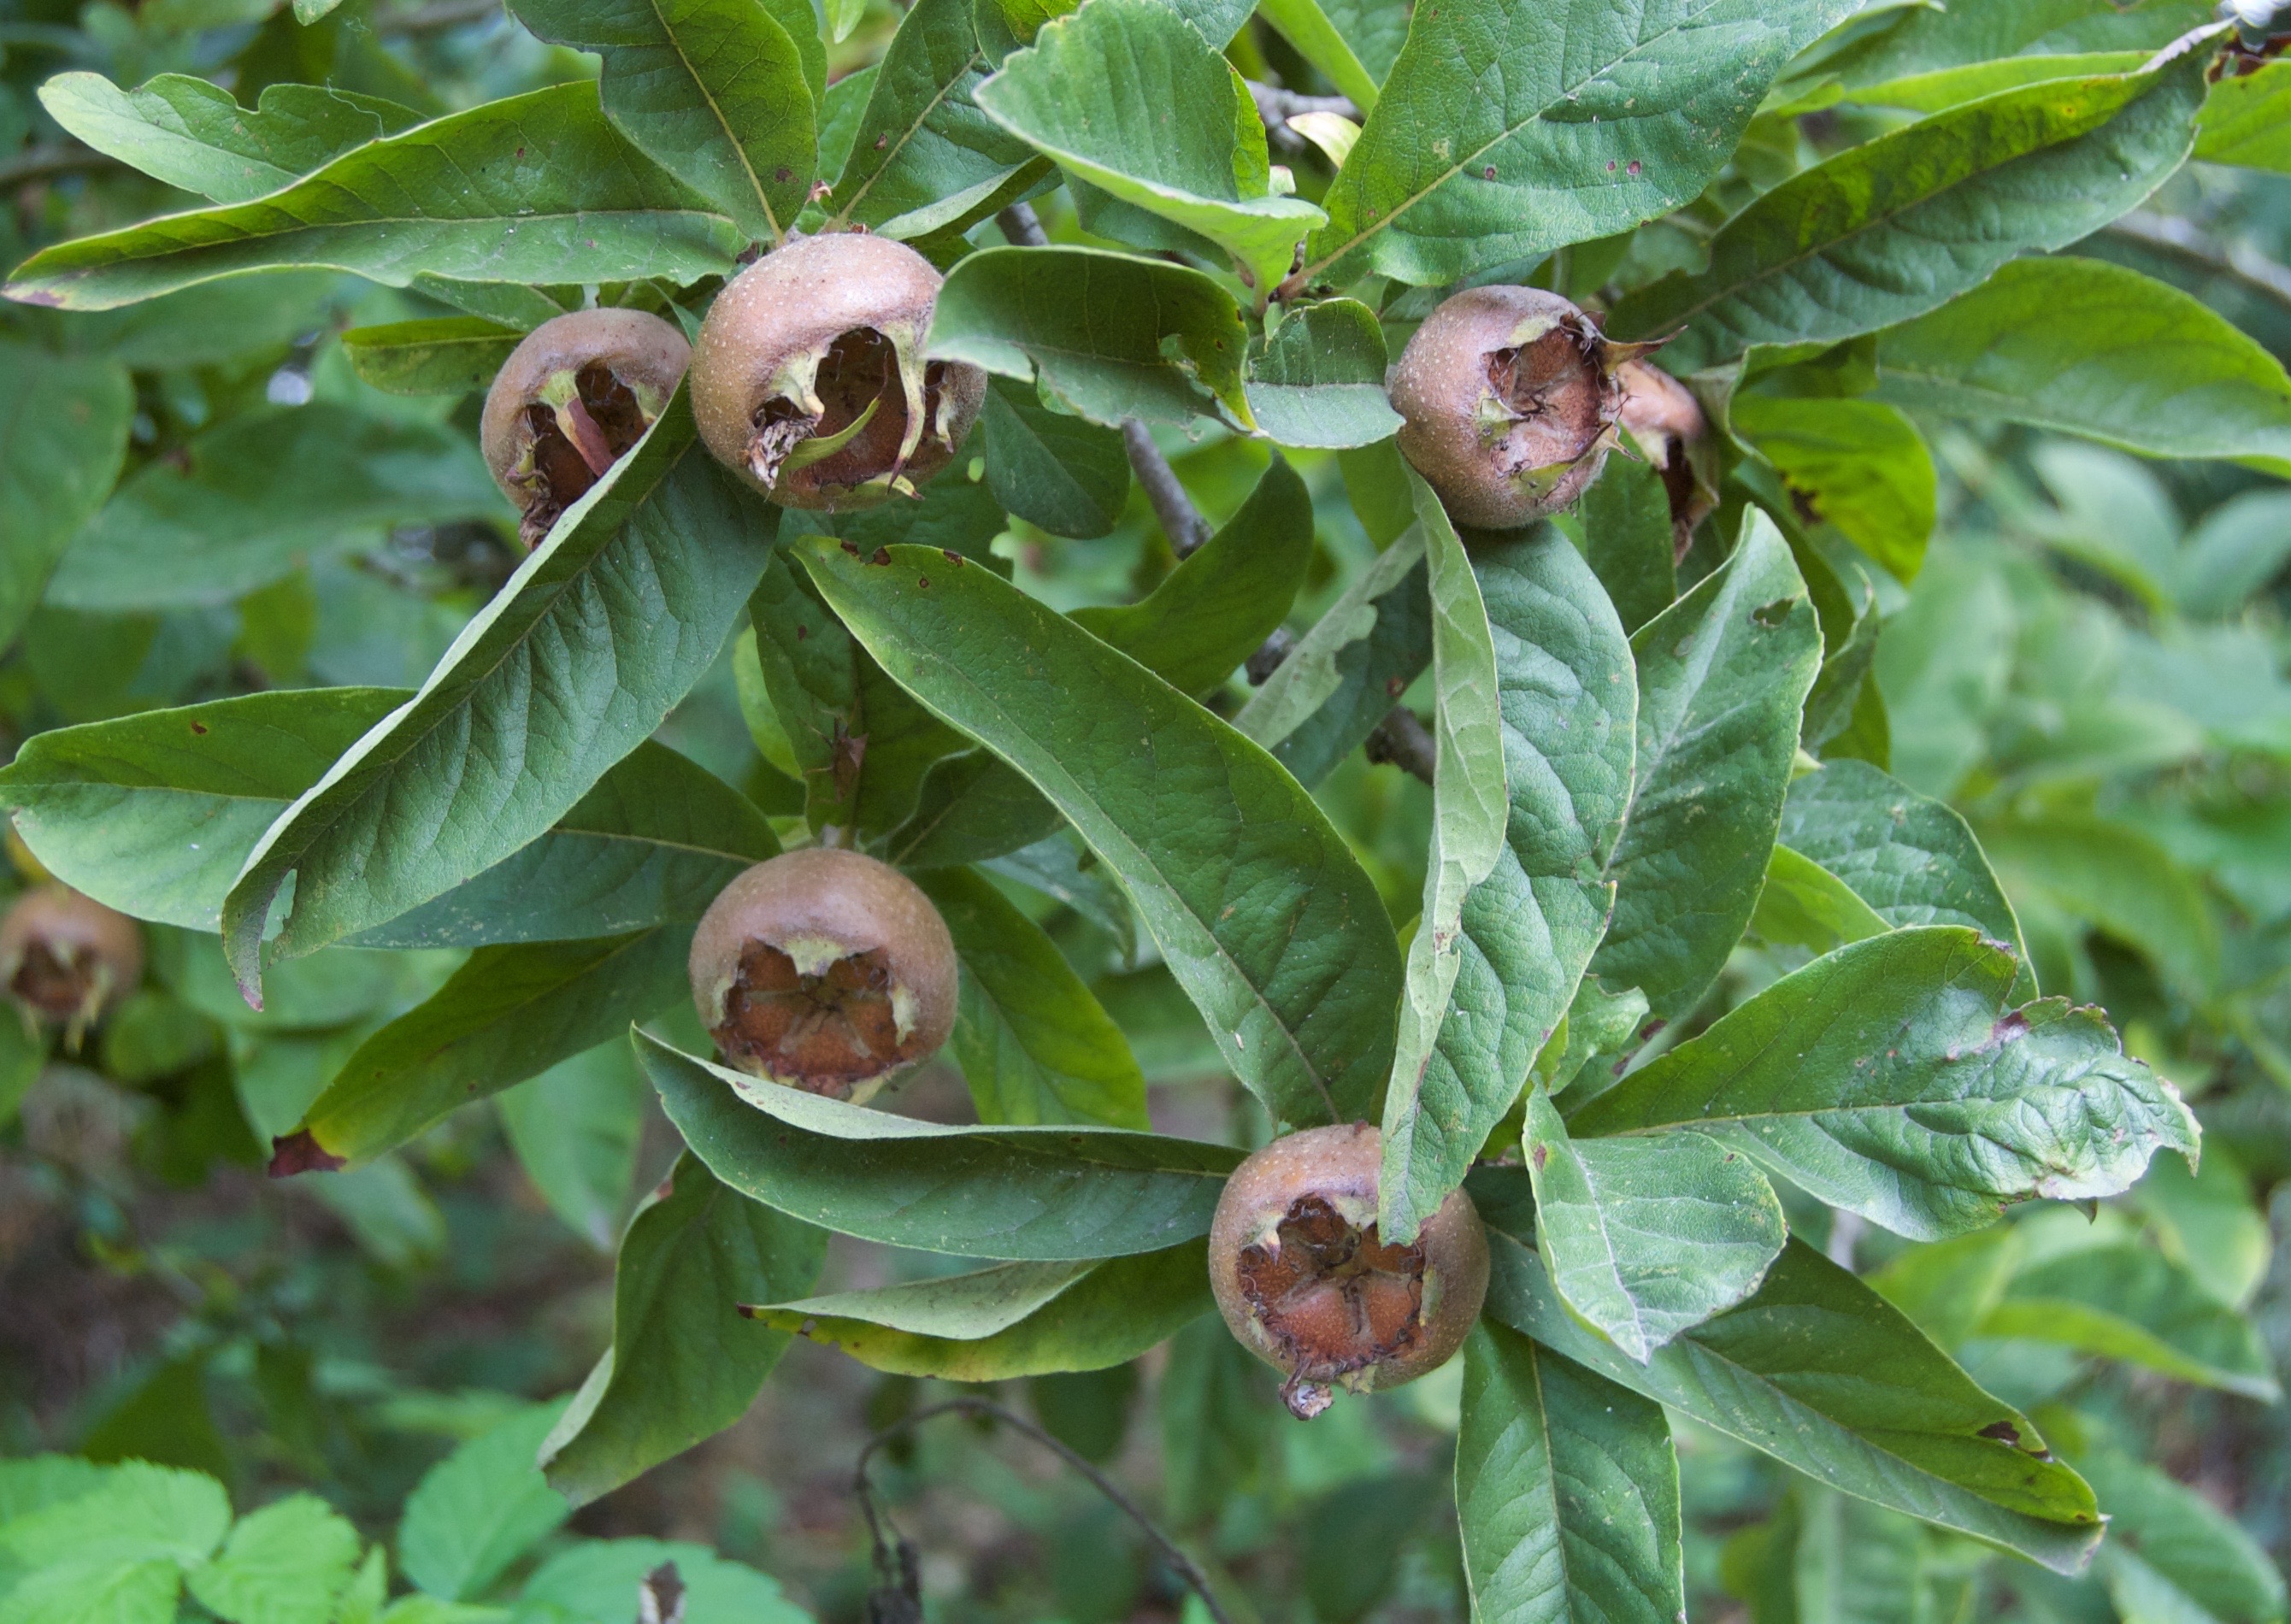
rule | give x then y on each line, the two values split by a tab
2129	1302
1567	701
536	188
194	135
1805	905
1566	1489
238	508
925	158
63	435
575	1129
509	1014
1592	118
1033	1042
1112	335
1723	674
1261	911
479	1509
712	91
446	355
1629	539
1066	474
2094	349
2247	120
1892	1079
1857	465
683	1364
1015	1319
2184	1539
1344	674
1910	857
1893	228
1306	26
1821	1373
1128	95
1319	380
1646	1238
1043	1194
574	661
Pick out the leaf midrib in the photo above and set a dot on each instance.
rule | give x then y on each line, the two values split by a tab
716	111
914	127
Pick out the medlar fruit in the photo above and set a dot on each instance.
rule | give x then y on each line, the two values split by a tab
1305	1284
825	970
572	397
1510	401
808	380
1665	420
66	959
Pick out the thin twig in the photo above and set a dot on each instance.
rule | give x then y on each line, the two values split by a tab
1277	106
1022	227
897	1559
1181	520
45	163
1401	740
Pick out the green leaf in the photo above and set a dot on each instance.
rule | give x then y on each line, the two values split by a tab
714	92
479	1509
237	507
446	355
1565	701
62	444
575	1128
2247	120
1822	1374
1911	858
1893	228
1647	1238
1065	473
1305	25
1342	677
1891	1078
1127	94
1262	914
124	1592
2121	880
2183	1540
1628	541
2095	349
1722	674
1857	465
683	1364
1013	1320
509	1014
1948	87
2130	1303
1567	1489
283	1565
926	159
1112	335
1592	117
1216	1414
1033	1042
1597	1023
536	188
136	1512
1805	905
591	1581
1859	1563
1039	1195
579	657
218	322
1318	380
193	135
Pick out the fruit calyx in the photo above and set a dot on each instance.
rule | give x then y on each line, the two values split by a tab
573	397
1306	1282
67	960
825	970
810	381
1666	422
1510	401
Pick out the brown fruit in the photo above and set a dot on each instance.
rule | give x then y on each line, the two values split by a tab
1305	1284
66	959
825	970
1665	420
570	401
1509	401
802	346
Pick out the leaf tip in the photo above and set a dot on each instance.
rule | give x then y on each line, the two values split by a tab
300	1152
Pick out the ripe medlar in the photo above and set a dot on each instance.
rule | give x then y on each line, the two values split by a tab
825	970
66	959
1510	401
809	379
1665	420
571	399
1304	1282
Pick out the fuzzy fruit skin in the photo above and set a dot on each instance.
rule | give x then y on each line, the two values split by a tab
645	353
1500	465
765	336
823	904
1337	1168
75	932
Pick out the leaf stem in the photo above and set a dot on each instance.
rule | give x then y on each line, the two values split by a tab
895	1560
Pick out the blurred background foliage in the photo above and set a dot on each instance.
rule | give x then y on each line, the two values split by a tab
2090	666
